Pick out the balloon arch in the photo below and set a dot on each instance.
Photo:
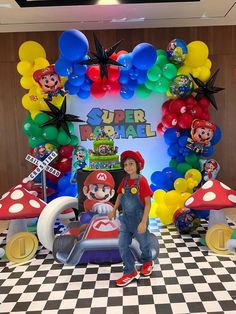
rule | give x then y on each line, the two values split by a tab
182	72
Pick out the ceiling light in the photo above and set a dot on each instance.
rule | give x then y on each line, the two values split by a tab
104	2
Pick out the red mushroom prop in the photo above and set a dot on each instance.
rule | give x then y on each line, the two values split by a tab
35	188
16	206
215	196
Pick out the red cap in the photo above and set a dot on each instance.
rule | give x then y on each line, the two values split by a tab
45	71
100	177
197	123
133	155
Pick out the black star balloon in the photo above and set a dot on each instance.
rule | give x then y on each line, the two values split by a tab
207	89
102	57
59	116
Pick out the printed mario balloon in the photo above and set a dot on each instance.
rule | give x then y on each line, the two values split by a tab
49	81
202	133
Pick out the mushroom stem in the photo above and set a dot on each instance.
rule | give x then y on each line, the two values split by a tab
217	217
16	226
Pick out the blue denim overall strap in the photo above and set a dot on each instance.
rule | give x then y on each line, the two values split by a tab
133	210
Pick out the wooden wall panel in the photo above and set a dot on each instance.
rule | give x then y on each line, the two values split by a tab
222	47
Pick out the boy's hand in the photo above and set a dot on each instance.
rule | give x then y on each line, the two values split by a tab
111	215
142	227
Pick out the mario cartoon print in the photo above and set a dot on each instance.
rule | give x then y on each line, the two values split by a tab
210	169
99	189
49	81
202	133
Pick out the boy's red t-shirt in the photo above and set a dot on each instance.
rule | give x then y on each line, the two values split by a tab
144	188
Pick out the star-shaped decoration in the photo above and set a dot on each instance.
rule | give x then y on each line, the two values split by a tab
207	89
59	116
102	57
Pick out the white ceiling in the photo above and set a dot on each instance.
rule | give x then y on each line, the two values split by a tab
148	15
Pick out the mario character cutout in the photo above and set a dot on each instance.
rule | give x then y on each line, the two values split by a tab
79	158
202	133
49	81
210	169
99	189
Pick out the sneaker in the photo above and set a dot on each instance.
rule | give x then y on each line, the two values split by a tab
147	268
127	278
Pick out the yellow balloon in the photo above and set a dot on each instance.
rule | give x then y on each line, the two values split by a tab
164	214
204	74
191	183
180	185
159	196
34	114
171	198
27	82
193	174
31	50
208	64
184	69
40	63
197	54
26	102
183	197
153	210
25	68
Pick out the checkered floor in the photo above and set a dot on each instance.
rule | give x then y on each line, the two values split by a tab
186	279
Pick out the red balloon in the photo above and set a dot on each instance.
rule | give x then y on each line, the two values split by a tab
114	56
53	178
64	165
204	103
165	106
185	120
177	106
196	112
98	90
66	151
161	129
121	52
113	73
170	120
114	88
190	101
205	116
93	73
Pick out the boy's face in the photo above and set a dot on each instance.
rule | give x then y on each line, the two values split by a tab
130	166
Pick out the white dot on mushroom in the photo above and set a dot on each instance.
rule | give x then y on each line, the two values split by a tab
225	186
207	185
232	198
5	195
189	201
17	194
16	208
34	203
209	196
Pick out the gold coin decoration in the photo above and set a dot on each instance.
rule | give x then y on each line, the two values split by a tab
134	190
123	191
21	247
216	238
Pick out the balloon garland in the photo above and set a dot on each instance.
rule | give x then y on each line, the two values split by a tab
182	72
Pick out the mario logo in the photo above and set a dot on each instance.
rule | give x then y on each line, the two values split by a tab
202	133
101	176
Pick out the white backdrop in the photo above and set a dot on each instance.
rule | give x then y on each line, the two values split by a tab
153	149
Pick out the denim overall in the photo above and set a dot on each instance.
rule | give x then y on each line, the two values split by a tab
133	210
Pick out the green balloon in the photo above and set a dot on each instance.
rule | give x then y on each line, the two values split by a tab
31	129
63	138
183	167
74	140
191	158
71	127
161	52
150	85
35	141
154	73
49	132
161	60
162	85
41	118
173	163
169	71
142	91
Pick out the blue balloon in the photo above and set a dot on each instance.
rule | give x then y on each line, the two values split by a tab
208	151
73	45
132	85
86	85
125	92
126	61
170	136
133	73
83	94
142	77
72	90
79	69
76	80
157	177
124	77
63	67
182	141
173	150
216	137
153	187
180	158
144	56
